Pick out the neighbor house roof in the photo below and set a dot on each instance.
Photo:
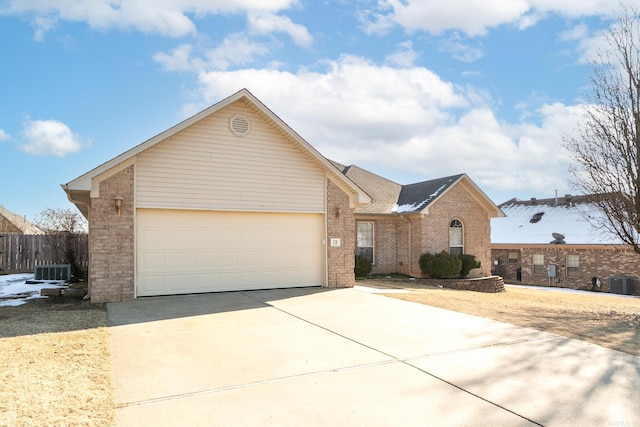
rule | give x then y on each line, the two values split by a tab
388	197
535	221
14	223
80	190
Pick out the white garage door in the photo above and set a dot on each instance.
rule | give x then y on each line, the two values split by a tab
182	252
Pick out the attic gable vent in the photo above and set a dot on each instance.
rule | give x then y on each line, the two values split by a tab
239	125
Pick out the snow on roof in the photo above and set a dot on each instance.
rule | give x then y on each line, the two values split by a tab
417	206
415	197
520	225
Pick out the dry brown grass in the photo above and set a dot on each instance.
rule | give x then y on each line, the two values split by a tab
602	319
55	368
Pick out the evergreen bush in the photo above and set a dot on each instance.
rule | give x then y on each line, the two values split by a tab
469	262
363	266
440	265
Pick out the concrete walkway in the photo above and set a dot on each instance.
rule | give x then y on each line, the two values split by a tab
352	358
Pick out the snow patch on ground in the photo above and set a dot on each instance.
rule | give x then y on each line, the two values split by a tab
14	289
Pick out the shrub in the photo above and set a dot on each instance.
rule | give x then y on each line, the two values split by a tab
469	262
440	265
363	266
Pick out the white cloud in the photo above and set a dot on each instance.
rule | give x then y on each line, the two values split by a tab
42	25
408	124
469	16
404	56
50	138
168	18
235	50
3	135
578	32
266	23
179	59
460	51
473	17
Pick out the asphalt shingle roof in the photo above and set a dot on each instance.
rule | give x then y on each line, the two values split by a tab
416	197
383	192
390	197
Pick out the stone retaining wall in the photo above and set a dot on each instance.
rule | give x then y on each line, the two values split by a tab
490	284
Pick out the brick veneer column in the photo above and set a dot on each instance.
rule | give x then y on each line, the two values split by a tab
111	240
340	260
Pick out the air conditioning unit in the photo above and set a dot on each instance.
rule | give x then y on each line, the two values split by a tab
621	285
52	272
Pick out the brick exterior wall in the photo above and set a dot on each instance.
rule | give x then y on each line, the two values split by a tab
340	259
430	233
602	263
111	243
391	244
457	203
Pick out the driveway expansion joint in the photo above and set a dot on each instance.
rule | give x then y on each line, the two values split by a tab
405	361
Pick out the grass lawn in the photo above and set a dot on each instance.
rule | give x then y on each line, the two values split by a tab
55	368
612	322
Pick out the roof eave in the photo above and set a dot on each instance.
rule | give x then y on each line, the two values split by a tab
85	181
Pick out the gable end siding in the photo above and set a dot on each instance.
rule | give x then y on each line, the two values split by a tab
207	167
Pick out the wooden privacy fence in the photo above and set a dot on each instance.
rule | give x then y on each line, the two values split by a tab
20	253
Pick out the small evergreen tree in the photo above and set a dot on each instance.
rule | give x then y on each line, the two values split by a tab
469	262
440	265
363	266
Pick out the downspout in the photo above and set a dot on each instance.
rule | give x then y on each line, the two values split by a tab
408	221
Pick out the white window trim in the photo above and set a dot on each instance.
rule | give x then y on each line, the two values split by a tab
533	265
373	239
567	266
462	237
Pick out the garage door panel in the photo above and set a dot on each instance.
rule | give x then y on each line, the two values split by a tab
202	260
151	237
270	259
202	282
226	260
201	238
200	251
180	261
178	283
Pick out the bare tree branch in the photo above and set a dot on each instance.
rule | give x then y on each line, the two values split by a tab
606	153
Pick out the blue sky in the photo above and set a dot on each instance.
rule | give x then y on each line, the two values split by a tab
411	90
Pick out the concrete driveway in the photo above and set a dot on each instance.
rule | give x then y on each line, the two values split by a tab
352	358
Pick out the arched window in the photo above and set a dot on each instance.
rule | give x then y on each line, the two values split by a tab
456	237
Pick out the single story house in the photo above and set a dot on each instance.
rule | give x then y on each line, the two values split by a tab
234	199
549	242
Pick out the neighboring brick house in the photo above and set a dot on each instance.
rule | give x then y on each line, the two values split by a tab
234	199
548	242
404	221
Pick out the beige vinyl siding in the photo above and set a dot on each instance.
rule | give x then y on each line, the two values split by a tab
207	167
